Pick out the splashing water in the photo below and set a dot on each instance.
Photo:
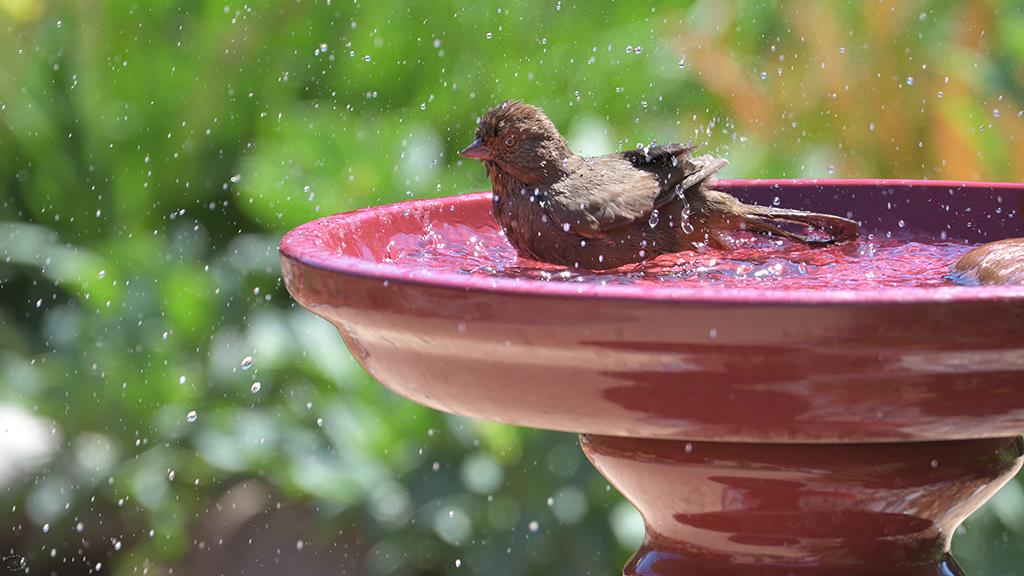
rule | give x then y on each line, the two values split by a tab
754	261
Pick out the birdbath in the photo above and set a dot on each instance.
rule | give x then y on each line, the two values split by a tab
758	431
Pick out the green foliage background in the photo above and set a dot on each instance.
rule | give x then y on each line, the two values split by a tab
153	152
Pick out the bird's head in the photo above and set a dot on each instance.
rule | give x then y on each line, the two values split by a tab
520	139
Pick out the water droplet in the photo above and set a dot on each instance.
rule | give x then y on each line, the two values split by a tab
435	466
489	35
688	448
14	563
117	544
941	94
46	528
192	416
181	379
910	80
935	463
79	527
713	333
170	475
655	218
901	223
246	363
366	58
996	113
299	545
437	42
764	75
458	563
255	387
831	168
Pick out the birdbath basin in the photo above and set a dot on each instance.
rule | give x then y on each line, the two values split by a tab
758	431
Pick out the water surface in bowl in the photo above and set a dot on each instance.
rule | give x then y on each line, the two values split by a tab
755	261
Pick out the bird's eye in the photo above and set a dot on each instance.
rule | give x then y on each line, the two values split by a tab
510	142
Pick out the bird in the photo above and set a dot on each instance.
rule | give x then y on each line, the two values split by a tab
605	212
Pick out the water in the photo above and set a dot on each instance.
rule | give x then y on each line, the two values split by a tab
755	261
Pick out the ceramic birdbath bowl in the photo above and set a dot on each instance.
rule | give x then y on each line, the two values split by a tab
758	431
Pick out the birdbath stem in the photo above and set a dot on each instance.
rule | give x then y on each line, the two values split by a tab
794	509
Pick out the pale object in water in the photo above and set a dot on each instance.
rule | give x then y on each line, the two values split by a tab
1000	262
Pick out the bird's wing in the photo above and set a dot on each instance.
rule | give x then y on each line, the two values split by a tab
657	155
602	194
607	192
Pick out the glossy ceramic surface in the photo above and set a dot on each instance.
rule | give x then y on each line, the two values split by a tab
759	432
715	364
778	510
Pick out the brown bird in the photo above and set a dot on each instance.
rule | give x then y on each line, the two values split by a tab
607	211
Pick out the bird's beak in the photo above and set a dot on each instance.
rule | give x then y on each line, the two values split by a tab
478	151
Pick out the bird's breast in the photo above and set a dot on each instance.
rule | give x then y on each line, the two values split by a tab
523	219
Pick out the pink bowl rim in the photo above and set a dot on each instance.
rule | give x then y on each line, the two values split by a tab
297	246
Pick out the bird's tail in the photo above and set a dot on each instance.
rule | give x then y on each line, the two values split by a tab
773	221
